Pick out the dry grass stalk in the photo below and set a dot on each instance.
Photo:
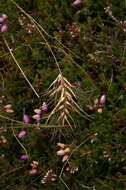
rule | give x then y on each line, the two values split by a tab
61	94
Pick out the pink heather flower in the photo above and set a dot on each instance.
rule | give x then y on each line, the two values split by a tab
36	117
61	153
4	28
24	157
38	111
9	111
22	134
1	19
44	107
65	157
8	106
76	2
33	171
4	16
3	23
102	100
26	119
125	151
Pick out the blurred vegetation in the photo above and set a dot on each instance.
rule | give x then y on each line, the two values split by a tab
90	48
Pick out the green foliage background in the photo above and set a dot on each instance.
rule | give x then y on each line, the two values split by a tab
97	61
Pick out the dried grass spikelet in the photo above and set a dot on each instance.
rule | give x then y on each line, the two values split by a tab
61	94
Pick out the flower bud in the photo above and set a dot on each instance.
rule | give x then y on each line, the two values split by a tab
34	164
4	28
24	157
4	16
76	2
22	134
60	153
65	157
1	19
102	100
8	106
61	145
38	111
26	119
99	110
9	111
33	171
44	107
36	117
67	150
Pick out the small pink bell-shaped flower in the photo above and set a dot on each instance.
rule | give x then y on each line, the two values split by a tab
37	117
22	134
76	2
102	99
38	111
61	152
4	28
26	119
33	171
44	107
3	23
24	157
1	19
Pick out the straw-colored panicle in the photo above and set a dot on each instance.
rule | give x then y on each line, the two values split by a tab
63	97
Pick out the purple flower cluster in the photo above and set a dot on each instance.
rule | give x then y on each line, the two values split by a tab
26	120
22	134
3	23
39	111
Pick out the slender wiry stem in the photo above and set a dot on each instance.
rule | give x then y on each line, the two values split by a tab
109	12
30	17
29	125
49	47
22	72
18	140
37	25
39	29
40	26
